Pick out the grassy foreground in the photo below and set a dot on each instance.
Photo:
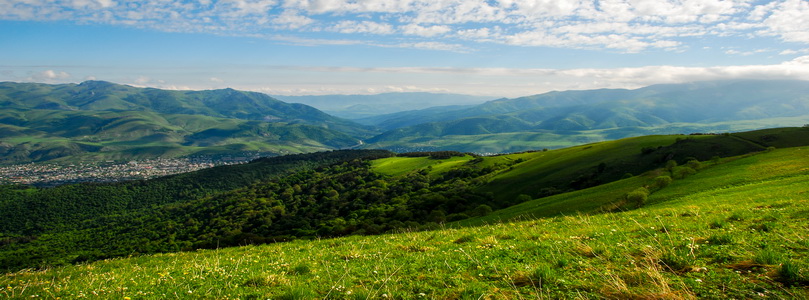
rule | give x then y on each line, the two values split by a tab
737	229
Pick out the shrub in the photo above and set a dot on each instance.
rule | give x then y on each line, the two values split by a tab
682	172
694	164
482	210
663	181
523	198
670	165
638	196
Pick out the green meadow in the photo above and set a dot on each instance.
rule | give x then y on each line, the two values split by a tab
736	227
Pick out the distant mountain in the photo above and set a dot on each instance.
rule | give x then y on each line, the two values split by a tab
364	106
607	113
101	119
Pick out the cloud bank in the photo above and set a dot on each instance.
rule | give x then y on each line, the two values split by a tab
495	82
621	25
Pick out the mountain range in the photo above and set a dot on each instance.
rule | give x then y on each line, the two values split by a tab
102	120
105	120
594	115
366	106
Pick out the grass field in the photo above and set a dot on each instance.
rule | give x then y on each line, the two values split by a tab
737	229
395	166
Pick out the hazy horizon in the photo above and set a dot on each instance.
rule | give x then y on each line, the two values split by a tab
500	48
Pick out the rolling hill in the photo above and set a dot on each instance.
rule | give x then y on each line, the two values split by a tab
101	120
600	115
374	195
729	227
359	107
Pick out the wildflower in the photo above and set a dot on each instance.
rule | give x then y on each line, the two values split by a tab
422	294
698	280
384	295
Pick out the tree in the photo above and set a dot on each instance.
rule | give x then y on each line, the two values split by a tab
638	196
671	164
662	181
482	210
682	172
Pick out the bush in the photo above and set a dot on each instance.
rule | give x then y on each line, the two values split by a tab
663	181
638	196
670	165
523	198
682	172
694	164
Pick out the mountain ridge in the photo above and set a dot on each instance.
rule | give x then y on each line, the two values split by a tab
103	119
645	110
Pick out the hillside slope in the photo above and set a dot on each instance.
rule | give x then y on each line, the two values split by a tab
101	120
735	229
602	115
359	107
415	190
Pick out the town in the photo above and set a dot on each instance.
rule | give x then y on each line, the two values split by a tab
48	174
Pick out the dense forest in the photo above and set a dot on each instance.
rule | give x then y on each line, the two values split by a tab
327	201
77	217
323	195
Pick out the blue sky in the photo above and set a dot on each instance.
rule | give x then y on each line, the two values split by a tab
498	47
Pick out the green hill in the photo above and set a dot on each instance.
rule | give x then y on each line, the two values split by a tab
101	121
361	196
597	115
734	228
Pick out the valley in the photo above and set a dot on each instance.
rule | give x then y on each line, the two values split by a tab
413	149
729	227
491	201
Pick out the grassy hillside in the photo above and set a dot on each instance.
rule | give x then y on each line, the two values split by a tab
224	103
509	125
735	229
412	190
102	120
38	135
402	140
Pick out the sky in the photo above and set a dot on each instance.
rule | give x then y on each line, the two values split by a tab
499	48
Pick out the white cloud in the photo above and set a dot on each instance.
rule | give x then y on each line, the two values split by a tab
50	76
362	27
622	25
788	20
292	20
510	82
794	51
425	31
